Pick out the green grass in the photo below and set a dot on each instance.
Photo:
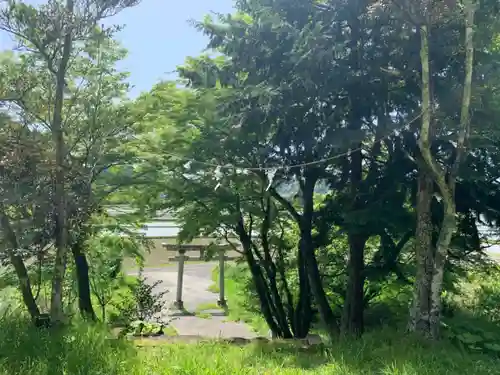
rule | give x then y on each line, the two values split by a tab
214	288
238	309
89	350
170	331
207	306
201	310
83	349
203	315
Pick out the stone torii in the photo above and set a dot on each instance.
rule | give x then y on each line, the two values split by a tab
181	259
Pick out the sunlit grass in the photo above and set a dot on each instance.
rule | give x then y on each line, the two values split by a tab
90	350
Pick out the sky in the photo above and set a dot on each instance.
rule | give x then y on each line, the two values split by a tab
158	37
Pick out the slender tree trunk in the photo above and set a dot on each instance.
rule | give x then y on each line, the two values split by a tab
308	252
266	302
56	303
449	223
271	271
263	293
276	303
83	282
288	305
446	185
20	269
25	286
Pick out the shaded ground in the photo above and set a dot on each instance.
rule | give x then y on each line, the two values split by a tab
197	280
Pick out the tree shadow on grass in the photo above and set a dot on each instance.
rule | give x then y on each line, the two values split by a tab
376	353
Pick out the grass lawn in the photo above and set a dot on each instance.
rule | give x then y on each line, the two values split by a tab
90	350
83	349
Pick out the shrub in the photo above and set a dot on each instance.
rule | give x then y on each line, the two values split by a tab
140	305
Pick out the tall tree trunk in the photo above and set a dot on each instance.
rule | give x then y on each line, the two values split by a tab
303	311
308	252
270	268
352	315
56	303
308	265
419	312
445	181
20	268
83	282
447	188
353	312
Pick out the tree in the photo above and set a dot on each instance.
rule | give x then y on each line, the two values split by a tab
25	228
291	100
54	36
210	207
106	251
425	313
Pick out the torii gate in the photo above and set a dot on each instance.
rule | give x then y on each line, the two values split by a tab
181	258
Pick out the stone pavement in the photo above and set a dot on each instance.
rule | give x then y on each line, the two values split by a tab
197	280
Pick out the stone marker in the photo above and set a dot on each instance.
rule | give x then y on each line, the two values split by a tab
180	275
222	300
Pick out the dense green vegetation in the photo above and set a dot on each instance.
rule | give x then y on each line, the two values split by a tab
347	150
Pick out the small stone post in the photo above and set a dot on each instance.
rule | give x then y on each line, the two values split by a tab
222	300
180	274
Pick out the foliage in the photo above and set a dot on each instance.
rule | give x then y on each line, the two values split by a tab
106	251
472	320
78	349
146	303
488	296
62	87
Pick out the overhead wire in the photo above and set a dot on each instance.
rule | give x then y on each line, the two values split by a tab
230	166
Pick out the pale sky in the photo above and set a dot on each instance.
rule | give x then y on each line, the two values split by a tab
157	36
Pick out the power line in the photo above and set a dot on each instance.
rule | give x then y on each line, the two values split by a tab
221	167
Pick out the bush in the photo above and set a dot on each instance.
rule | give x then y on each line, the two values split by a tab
140	307
487	301
474	323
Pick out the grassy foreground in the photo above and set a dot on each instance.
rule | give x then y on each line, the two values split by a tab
83	349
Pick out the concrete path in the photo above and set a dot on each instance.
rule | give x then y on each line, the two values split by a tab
197	280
